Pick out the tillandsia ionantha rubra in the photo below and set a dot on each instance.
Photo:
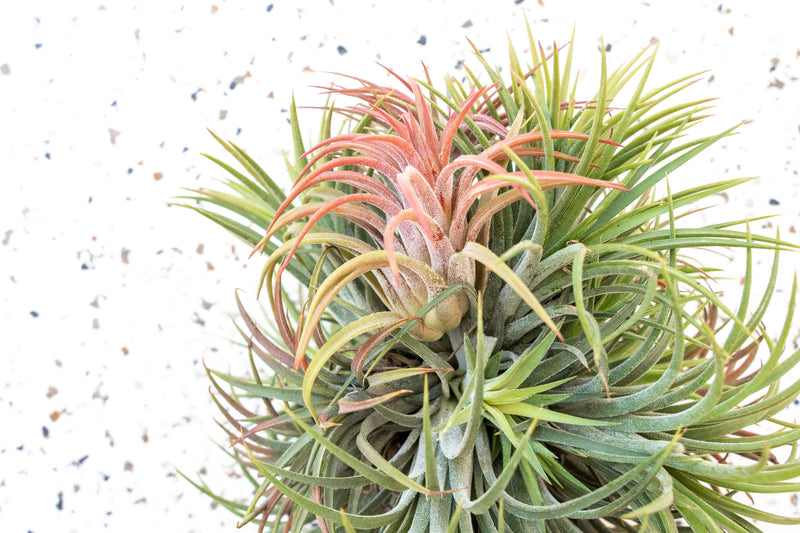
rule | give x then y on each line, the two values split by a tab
502	323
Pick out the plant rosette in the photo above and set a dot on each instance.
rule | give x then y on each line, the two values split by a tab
502	322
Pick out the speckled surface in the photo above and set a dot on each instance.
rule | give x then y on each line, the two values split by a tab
109	299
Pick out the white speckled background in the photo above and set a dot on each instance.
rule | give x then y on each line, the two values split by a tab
109	299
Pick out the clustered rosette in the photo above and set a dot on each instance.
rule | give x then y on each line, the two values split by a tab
488	314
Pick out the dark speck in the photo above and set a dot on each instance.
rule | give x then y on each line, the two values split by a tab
232	85
34	314
459	64
185	149
194	94
20	447
106	477
60	503
518	1
269	8
608	47
719	8
773	201
90	199
47	155
84	267
37	45
238	131
422	40
130	171
467	24
45	432
114	103
80	461
341	49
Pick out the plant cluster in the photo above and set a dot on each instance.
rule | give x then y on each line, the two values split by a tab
502	324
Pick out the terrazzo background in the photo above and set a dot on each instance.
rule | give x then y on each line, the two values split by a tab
109	299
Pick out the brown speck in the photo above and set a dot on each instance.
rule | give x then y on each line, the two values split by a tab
307	69
711	79
223	113
792	230
97	396
7	238
76	488
128	466
778	84
113	134
51	391
730	31
207	305
125	350
5	69
214	9
59	364
95	323
540	2
126	254
271	95
157	176
145	438
773	63
200	248
55	415
209	266
304	37
199	321
162	143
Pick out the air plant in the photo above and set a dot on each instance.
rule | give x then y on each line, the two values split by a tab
503	322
